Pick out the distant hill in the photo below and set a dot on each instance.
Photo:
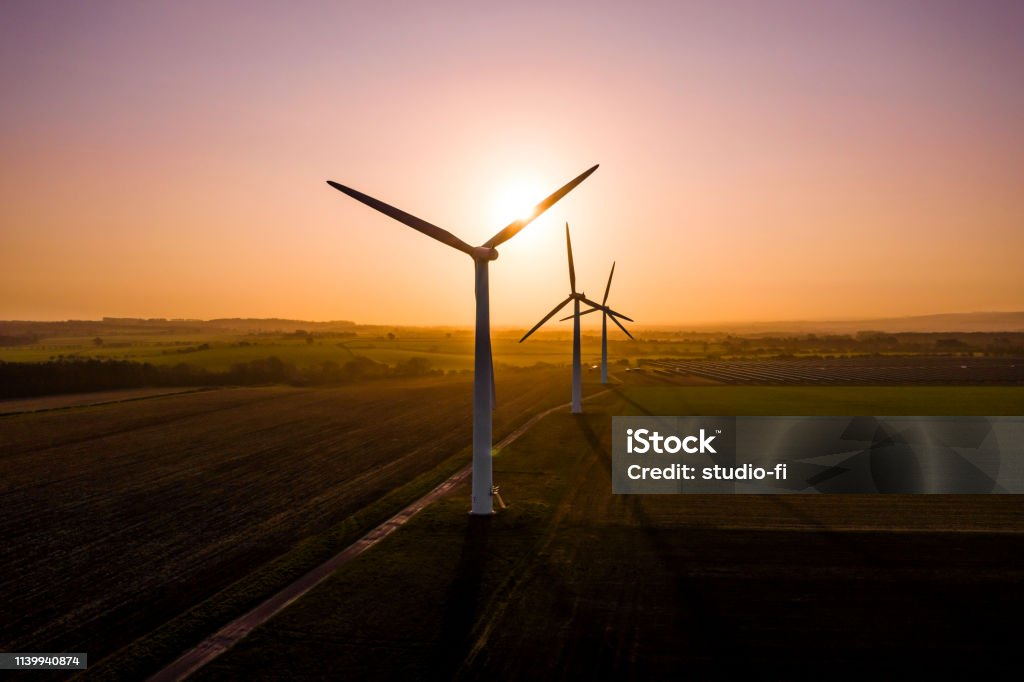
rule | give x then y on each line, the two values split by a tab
109	325
277	324
948	322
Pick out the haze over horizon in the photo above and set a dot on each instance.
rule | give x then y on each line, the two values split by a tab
759	161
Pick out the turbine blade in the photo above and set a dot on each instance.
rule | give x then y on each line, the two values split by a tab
572	268
401	216
512	228
545	319
589	310
620	326
619	315
609	287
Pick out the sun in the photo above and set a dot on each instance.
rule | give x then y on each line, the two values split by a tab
515	200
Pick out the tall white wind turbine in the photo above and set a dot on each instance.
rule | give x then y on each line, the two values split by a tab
483	367
576	298
606	312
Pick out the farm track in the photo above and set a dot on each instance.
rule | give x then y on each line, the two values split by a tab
160	503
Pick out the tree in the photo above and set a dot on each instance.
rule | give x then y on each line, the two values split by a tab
415	366
97	342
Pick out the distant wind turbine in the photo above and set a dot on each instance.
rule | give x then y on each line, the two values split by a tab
577	374
606	312
483	364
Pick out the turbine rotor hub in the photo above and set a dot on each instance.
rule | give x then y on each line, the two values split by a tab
485	253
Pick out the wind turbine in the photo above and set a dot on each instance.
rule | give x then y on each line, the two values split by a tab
483	364
575	297
606	312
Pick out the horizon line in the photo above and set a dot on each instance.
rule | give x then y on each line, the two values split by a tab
469	325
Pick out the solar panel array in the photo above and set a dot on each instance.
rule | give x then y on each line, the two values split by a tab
847	371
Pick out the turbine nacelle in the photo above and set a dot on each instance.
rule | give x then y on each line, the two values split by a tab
484	253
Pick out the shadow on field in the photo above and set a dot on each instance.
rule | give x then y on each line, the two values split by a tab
463	600
625	398
786	603
695	619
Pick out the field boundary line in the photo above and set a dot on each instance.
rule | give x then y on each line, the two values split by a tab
238	629
112	401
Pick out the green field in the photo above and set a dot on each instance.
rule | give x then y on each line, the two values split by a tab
572	581
216	345
226	349
644	398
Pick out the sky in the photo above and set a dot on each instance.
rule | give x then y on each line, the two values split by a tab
759	160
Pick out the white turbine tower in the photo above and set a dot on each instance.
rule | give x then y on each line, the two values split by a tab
483	366
606	312
577	374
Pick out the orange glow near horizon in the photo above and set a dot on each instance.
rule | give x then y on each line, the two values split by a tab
759	161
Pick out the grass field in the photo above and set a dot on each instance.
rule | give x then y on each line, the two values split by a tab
217	348
224	350
643	398
119	517
216	345
572	582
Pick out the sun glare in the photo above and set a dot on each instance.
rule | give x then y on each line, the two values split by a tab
515	201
